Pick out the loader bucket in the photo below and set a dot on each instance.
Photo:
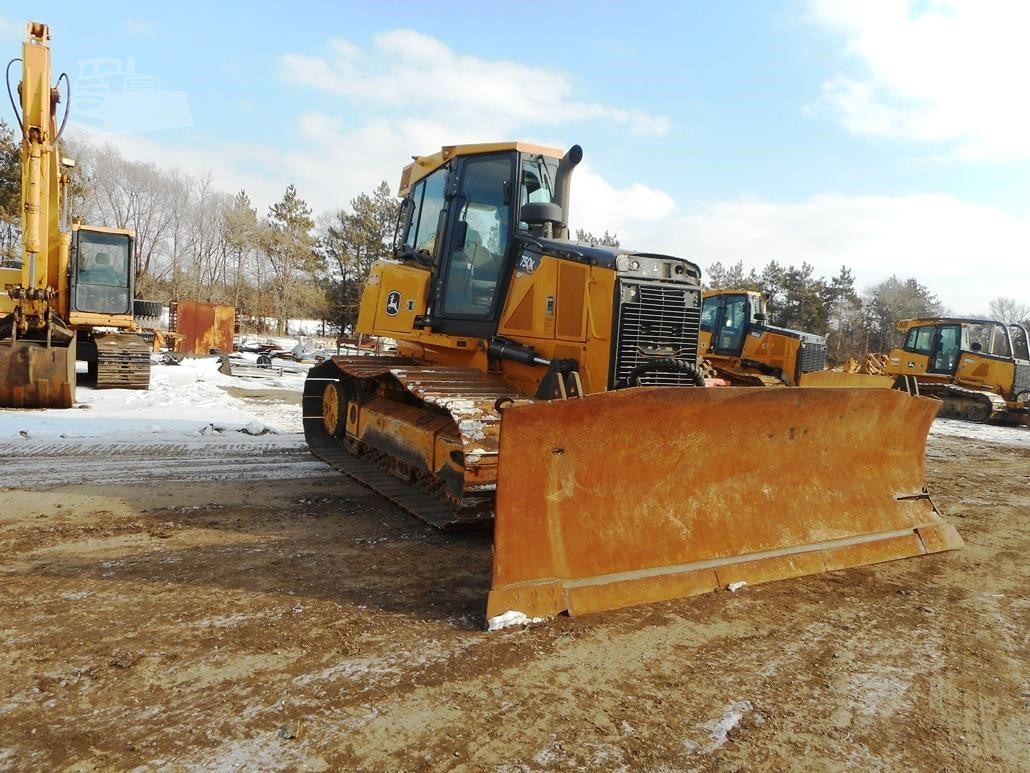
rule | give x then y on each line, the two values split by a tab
34	375
655	493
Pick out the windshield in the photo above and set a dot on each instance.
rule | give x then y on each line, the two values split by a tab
103	259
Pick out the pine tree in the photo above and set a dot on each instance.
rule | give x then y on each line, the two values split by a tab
289	246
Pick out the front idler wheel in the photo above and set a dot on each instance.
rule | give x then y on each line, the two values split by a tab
334	409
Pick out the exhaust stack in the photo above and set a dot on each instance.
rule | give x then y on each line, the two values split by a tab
563	185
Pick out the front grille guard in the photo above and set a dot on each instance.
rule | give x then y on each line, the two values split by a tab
654	321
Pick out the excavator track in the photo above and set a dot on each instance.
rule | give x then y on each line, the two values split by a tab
456	404
123	361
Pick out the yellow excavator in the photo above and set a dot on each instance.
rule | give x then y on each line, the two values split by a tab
978	368
71	294
744	349
552	388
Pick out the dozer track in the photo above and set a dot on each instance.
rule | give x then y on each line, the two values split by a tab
123	361
968	404
423	436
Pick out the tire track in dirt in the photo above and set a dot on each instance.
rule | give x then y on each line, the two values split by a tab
38	464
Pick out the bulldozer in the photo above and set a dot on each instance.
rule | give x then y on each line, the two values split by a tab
744	349
978	368
70	296
551	389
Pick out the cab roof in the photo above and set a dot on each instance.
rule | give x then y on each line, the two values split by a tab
729	291
905	324
424	165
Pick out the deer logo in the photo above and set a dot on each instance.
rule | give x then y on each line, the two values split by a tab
393	303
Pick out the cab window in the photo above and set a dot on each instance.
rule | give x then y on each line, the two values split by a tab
428	198
920	339
536	181
1020	345
730	336
103	259
474	263
709	309
946	353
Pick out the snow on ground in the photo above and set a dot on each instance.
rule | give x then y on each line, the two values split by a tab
1006	436
190	400
510	618
186	400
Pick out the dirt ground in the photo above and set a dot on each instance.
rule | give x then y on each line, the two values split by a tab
289	619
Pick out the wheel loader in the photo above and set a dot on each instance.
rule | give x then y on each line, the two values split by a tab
744	349
978	368
552	388
71	294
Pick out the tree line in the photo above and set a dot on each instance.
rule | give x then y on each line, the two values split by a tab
197	243
853	322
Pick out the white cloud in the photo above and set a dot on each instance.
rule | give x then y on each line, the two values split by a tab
934	71
410	71
967	254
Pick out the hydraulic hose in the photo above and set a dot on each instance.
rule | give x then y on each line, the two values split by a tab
10	95
669	365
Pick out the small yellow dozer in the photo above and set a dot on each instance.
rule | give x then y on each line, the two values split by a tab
744	349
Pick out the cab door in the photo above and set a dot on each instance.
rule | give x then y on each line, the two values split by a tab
725	318
946	348
470	277
914	357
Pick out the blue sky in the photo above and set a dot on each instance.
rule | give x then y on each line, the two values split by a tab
885	136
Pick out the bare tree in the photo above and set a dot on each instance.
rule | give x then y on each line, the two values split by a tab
1008	310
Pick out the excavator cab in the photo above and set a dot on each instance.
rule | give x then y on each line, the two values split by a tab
100	273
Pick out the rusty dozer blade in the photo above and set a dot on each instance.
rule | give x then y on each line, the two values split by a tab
34	375
649	494
839	379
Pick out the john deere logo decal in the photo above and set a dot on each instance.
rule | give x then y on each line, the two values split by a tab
393	303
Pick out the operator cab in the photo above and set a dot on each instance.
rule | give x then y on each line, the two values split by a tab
463	219
100	275
943	342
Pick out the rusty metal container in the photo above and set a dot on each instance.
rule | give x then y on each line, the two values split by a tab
204	327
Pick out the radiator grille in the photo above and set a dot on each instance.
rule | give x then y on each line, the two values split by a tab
656	321
813	356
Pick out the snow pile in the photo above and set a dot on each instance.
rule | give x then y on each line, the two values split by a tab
510	618
1006	436
184	400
